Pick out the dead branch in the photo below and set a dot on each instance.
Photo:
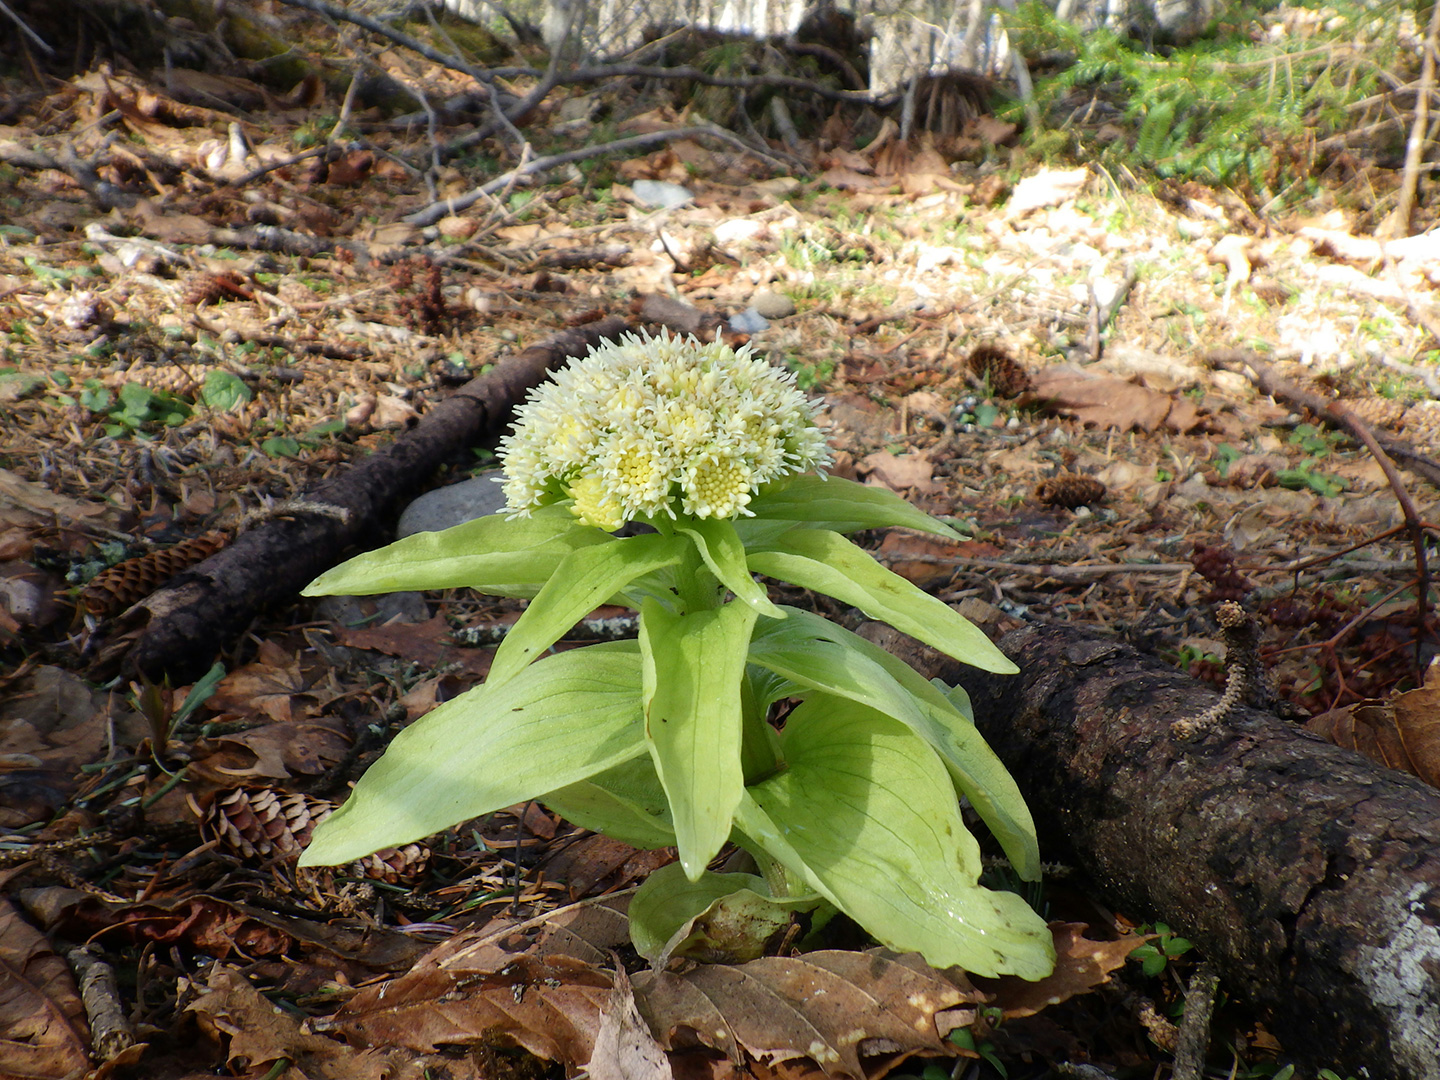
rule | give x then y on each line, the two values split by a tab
1304	872
106	195
445	207
1267	381
183	625
1277	387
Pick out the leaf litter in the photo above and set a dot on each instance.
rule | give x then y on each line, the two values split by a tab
174	368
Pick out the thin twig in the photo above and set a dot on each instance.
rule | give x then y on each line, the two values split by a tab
1250	364
24	29
445	207
1074	574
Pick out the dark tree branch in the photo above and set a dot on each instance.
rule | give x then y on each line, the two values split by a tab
1307	874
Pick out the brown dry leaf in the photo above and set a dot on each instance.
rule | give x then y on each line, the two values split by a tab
1402	733
275	751
624	1047
596	859
422	642
392	411
901	472
218	928
51	723
914	556
551	1006
831	1007
41	1017
1080	966
1107	402
25	504
270	686
260	1035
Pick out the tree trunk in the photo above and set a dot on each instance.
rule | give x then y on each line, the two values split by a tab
1309	875
197	613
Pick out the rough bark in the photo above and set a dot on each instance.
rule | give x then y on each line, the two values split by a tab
1309	875
200	611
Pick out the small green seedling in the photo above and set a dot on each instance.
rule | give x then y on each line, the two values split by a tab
1155	956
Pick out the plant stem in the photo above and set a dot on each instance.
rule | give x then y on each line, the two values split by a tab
760	745
699	591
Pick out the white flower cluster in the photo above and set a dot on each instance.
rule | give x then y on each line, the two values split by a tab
651	426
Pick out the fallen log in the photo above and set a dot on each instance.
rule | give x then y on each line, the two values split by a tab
183	625
1309	875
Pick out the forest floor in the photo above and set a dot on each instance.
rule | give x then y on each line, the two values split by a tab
172	373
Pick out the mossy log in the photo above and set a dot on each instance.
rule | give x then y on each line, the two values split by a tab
1308	874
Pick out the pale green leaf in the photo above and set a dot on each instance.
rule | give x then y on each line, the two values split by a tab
719	545
868	809
828	563
494	555
583	580
832	502
625	802
693	664
814	653
563	719
719	916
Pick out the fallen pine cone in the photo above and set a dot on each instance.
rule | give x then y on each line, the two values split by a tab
1070	491
129	582
263	822
1006	377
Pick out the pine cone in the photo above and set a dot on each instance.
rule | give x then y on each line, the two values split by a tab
264	822
170	378
129	582
206	288
993	364
1377	412
1070	490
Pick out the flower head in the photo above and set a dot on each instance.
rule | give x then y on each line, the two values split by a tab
663	425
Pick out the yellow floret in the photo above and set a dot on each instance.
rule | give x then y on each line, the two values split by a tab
595	504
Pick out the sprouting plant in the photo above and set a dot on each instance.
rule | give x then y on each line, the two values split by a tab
1155	956
667	740
1317	444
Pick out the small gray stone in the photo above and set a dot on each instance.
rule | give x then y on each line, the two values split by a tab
661	194
773	305
378	610
748	321
447	506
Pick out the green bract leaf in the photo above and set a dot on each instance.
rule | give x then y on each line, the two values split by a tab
725	917
693	665
719	545
583	580
625	802
832	502
867	808
828	563
817	654
495	555
562	719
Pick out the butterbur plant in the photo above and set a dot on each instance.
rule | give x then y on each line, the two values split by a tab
667	740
